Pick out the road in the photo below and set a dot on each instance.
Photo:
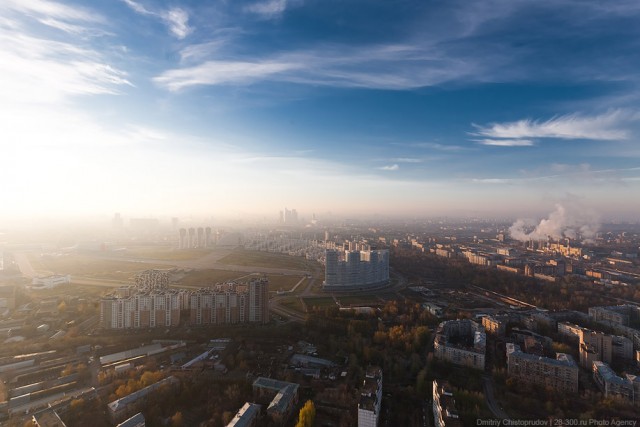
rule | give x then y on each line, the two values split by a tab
274	303
494	407
24	265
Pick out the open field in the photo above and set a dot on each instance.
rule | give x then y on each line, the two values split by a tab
36	262
281	282
209	277
292	303
83	291
319	302
85	266
3	392
165	253
358	300
266	259
388	296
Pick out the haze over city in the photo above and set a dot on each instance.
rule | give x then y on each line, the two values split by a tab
391	108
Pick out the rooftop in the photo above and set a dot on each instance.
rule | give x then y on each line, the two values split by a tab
271	384
282	401
245	416
121	403
136	421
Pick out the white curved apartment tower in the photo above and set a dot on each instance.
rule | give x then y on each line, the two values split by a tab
356	269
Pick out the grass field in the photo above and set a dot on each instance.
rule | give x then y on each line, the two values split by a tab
388	296
165	253
319	302
83	291
208	277
266	259
81	265
36	262
358	300
281	282
292	303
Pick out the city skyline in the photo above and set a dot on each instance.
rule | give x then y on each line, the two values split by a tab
399	109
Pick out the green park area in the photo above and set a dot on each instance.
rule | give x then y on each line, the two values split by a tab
81	291
85	266
320	302
292	303
204	278
282	282
266	259
164	253
358	300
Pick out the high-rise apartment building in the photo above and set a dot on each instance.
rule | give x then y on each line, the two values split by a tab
594	346
462	342
356	269
603	347
370	398
619	314
141	310
444	406
560	373
627	387
226	303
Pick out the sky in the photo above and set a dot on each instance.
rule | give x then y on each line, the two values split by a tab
350	107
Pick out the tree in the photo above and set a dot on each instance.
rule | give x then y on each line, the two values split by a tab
176	419
307	415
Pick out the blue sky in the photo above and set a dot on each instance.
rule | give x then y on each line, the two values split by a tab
497	107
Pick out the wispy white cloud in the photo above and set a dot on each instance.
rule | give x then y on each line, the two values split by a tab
221	72
137	7
393	167
200	51
270	8
267	8
389	66
493	181
506	142
407	160
607	126
178	21
40	70
463	43
431	146
562	174
175	18
70	19
41	9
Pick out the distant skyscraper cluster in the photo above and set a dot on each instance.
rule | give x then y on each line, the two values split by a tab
354	268
151	303
289	216
192	238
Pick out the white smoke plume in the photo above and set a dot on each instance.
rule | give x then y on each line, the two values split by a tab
569	219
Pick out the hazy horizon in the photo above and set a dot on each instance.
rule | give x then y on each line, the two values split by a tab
237	110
